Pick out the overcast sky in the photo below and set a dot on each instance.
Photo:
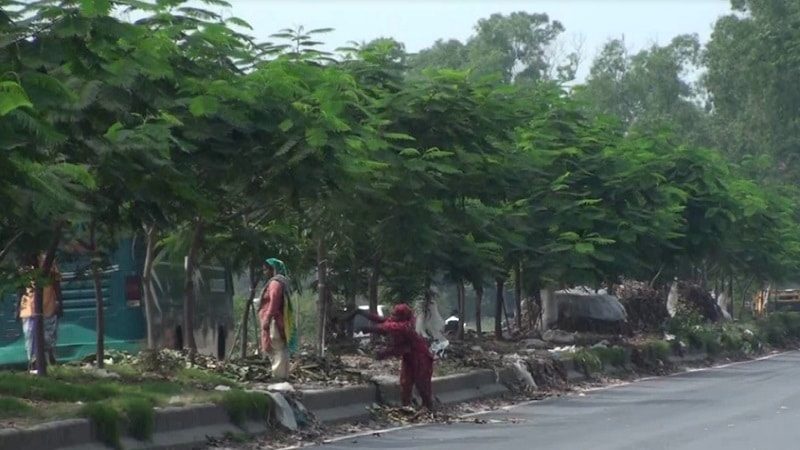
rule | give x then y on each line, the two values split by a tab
419	23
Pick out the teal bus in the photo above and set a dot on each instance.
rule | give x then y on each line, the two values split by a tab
123	308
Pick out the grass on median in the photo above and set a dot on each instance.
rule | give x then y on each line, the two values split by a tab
122	401
12	407
242	406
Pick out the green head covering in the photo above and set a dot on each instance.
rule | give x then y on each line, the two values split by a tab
277	264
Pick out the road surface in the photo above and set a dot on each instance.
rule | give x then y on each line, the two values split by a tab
753	405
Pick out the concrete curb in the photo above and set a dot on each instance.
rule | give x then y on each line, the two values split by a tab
464	387
331	406
186	427
451	389
190	426
64	433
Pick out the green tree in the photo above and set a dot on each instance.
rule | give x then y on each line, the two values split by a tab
649	90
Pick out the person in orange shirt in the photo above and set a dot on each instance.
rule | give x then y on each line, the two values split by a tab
52	311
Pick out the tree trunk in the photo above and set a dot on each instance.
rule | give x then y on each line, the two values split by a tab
254	279
498	309
350	303
478	300
38	302
98	296
322	285
188	289
730	296
549	308
462	313
147	287
374	279
518	295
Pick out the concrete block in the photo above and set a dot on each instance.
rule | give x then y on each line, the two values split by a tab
176	428
339	405
64	433
187	417
450	389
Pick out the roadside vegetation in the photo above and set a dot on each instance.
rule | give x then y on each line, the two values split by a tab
120	400
379	175
375	173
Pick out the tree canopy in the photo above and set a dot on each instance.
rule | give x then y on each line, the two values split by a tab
376	167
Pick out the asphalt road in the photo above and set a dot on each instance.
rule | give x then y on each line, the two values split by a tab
753	405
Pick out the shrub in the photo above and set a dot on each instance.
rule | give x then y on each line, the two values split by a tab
140	416
711	341
684	321
588	361
732	339
611	356
106	420
243	405
779	328
654	352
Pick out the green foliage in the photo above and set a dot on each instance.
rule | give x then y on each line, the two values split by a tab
612	356
684	321
594	359
458	163
13	407
23	386
140	417
588	361
656	352
106	420
518	46
779	329
12	96
243	406
734	341
203	378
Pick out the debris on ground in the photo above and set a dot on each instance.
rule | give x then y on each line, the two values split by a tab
284	412
402	415
330	370
646	307
523	380
694	297
559	337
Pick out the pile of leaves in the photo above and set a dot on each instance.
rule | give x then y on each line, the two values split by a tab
467	354
694	297
166	363
402	415
646	307
329	370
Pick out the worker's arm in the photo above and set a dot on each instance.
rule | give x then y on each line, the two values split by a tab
372	317
390	327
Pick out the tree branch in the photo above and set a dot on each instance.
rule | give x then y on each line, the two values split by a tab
8	245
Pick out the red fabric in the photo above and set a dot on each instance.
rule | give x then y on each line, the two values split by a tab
416	367
416	370
402	312
271	309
